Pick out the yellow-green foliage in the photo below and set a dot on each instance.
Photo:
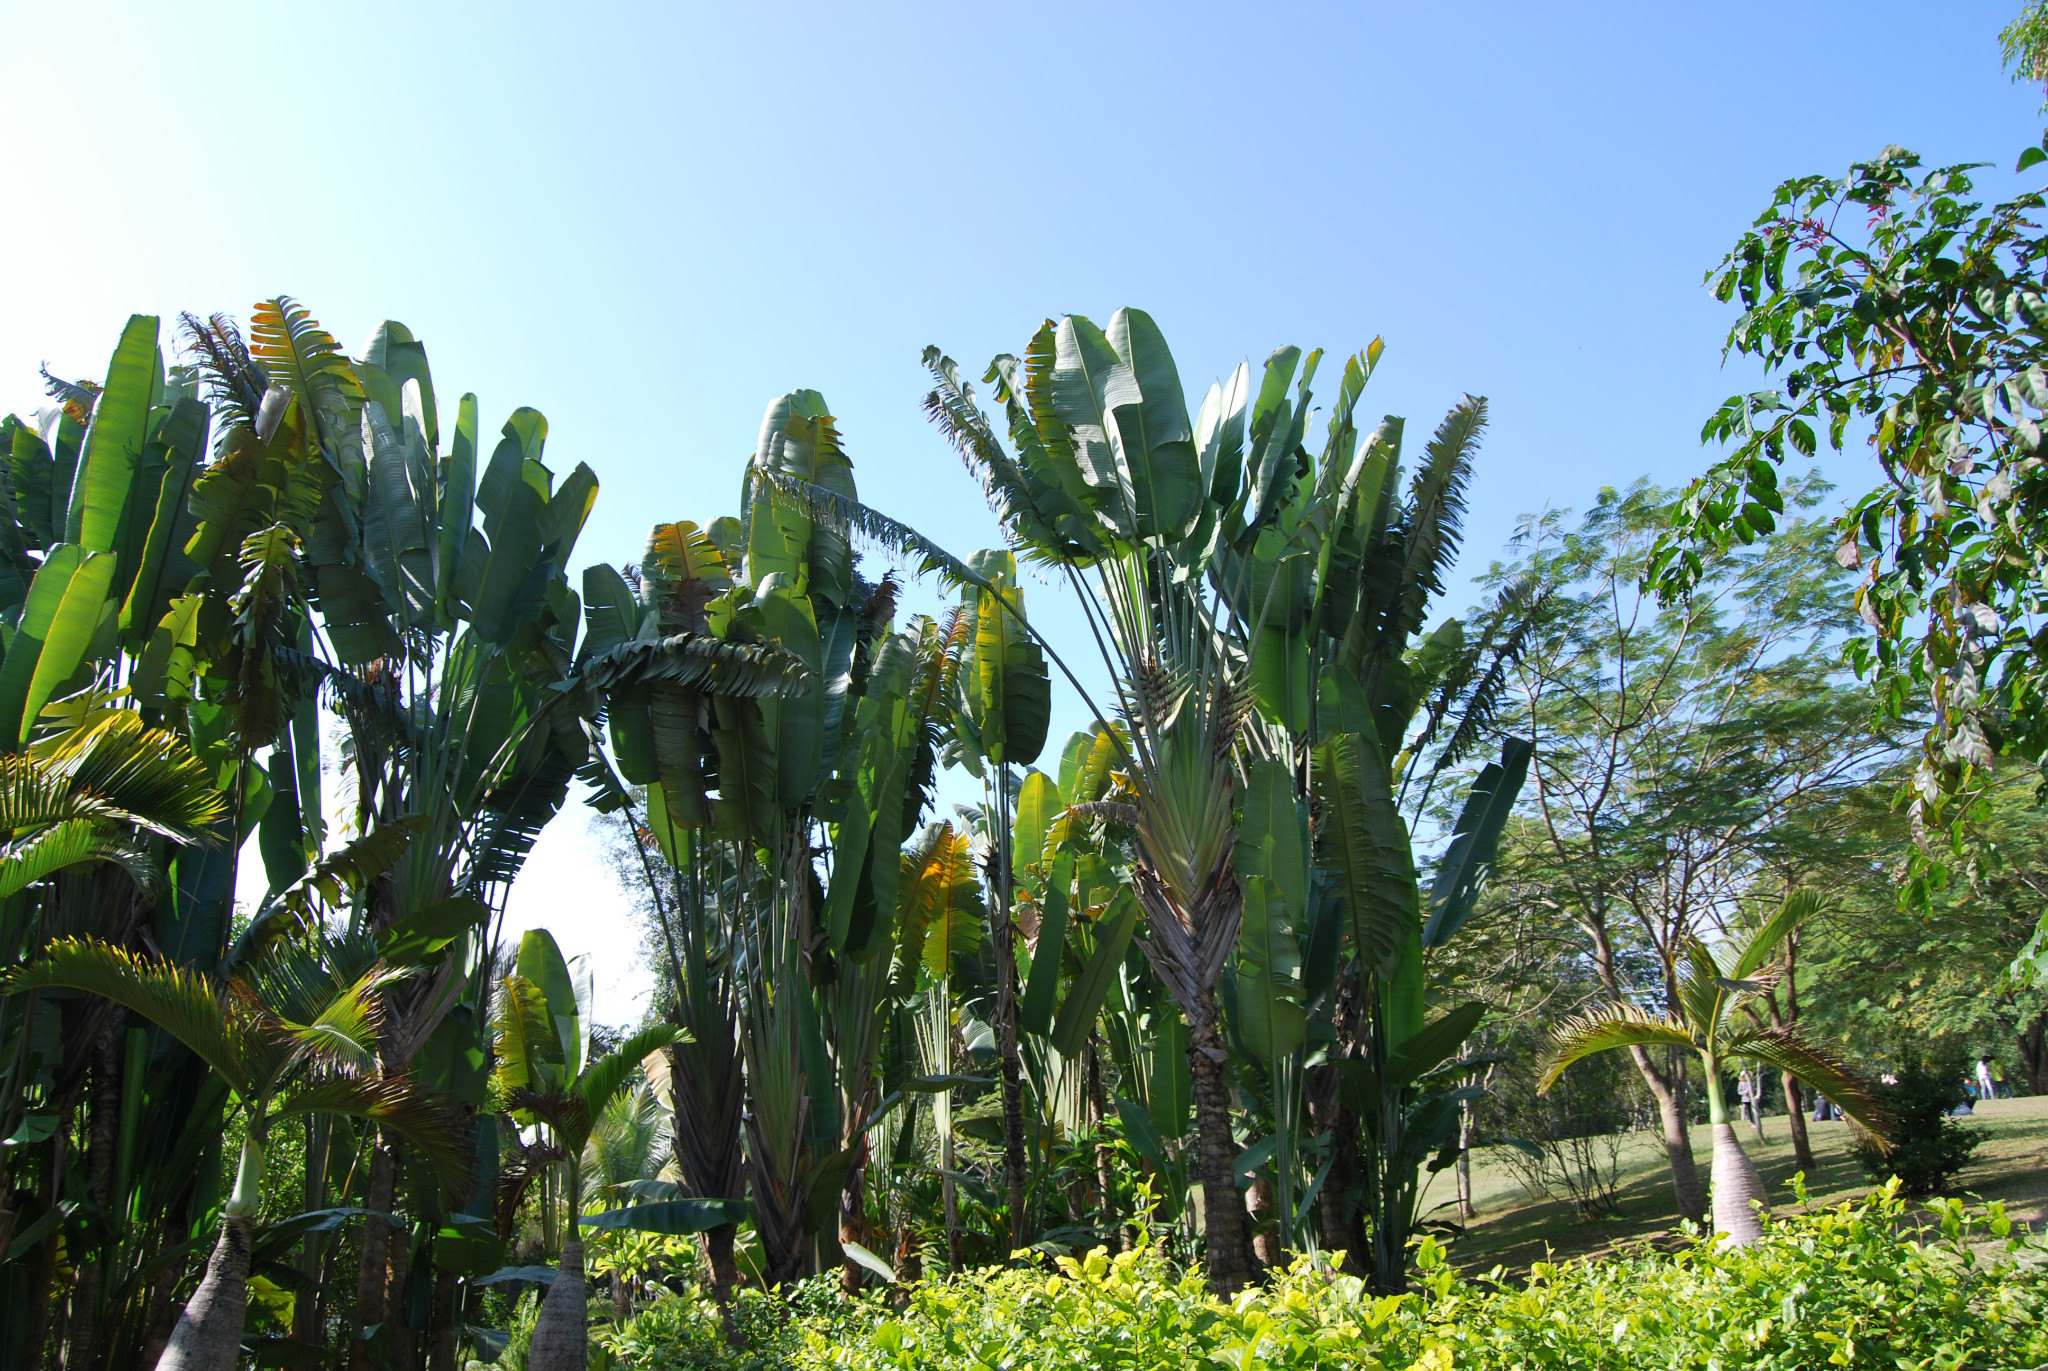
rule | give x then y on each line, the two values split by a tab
1850	1286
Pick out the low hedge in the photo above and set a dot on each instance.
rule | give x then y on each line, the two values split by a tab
1856	1285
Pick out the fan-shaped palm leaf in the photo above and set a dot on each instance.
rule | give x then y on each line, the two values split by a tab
1621	1025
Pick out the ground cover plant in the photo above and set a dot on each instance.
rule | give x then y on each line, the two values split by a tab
1842	1286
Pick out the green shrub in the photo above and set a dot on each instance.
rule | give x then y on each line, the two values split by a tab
1927	1146
1849	1286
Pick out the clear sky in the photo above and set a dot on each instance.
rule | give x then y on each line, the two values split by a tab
646	221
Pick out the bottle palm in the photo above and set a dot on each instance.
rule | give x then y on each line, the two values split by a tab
552	1083
294	1034
1708	1019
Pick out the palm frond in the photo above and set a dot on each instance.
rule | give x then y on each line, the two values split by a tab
78	398
608	1075
334	880
626	1140
143	776
235	382
1762	947
1706	995
701	662
859	520
1434	517
392	1102
1816	1066
1029	512
344	1033
516	1175
527	1045
220	1029
1517	613
1618	1025
68	844
297	353
514	817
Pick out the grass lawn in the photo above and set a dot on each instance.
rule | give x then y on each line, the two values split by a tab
1513	1229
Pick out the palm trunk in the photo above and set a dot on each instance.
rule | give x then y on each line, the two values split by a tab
561	1334
1004	928
374	1269
103	1121
1737	1188
1465	1210
725	1275
853	1217
1105	1171
441	1347
1223	1215
209	1333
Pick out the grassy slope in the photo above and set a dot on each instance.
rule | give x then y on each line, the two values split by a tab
1513	1229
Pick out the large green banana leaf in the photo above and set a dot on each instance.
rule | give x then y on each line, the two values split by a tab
105	479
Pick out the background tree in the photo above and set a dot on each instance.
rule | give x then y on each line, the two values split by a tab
1674	746
1889	302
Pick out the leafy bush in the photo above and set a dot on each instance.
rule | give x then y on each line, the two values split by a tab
1846	1286
1566	1145
1927	1146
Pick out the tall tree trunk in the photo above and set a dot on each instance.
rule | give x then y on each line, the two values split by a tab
1465	1210
853	1217
43	1274
1668	1091
2034	1054
1012	1063
373	1271
1105	1170
1224	1221
103	1127
397	1301
725	1275
1340	1205
209	1333
441	1347
1795	1119
1802	1150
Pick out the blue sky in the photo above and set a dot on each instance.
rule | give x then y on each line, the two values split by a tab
646	221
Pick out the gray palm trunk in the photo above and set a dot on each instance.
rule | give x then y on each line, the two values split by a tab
209	1333
561	1335
1738	1191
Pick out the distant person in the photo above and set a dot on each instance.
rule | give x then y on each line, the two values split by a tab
1998	1079
1987	1086
1824	1109
1752	1110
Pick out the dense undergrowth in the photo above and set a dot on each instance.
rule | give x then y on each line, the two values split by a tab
1847	1286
